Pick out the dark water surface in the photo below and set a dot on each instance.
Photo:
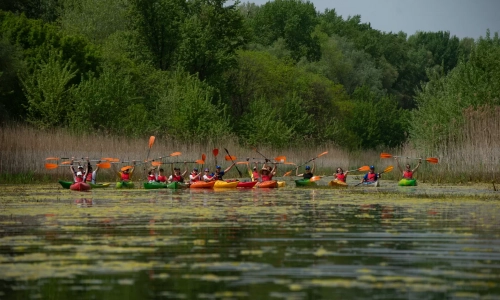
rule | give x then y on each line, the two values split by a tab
423	242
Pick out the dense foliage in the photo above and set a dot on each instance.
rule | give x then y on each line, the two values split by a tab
200	70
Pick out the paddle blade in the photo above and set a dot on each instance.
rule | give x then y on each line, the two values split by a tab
364	168
432	160
388	169
66	162
105	165
385	155
326	152
125	168
215	152
175	154
51	166
230	157
289	163
315	178
151	141
52	158
156	163
203	157
242	163
280	159
200	161
287	173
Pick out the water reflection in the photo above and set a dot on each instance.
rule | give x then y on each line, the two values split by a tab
252	243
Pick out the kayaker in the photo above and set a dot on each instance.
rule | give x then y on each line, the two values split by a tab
152	175
126	173
176	174
266	174
207	176
161	176
91	175
408	172
219	173
80	175
371	176
340	175
194	176
309	173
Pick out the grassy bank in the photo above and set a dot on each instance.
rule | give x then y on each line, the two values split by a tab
24	149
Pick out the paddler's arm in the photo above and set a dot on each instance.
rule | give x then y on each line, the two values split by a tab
419	163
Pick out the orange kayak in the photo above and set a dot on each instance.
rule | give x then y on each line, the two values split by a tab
267	184
202	185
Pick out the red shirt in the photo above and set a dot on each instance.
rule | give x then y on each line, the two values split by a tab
408	174
341	177
162	178
125	176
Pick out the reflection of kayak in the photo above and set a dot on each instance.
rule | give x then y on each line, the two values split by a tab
281	184
246	184
161	185
124	185
371	184
202	185
267	184
337	183
407	182
305	182
221	184
80	186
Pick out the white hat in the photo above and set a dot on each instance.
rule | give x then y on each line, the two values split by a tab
79	173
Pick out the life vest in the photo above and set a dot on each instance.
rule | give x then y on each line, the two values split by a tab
89	177
341	177
151	177
408	174
207	177
219	175
78	179
266	177
177	178
162	178
194	177
125	176
371	177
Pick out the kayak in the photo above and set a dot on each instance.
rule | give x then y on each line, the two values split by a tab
267	184
305	182
407	182
221	184
202	185
80	186
337	183
372	184
67	184
246	184
162	185
98	185
124	185
281	184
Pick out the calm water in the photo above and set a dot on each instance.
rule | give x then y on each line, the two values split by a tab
426	242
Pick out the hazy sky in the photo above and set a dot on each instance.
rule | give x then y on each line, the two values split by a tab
463	18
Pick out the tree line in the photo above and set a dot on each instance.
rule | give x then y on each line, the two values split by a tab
278	74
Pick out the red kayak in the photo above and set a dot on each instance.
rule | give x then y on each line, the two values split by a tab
80	186
246	184
267	184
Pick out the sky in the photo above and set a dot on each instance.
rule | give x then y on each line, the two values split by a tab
463	18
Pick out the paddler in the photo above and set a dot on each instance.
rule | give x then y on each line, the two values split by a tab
194	176
126	173
80	175
176	174
408	172
219	173
340	175
309	173
371	176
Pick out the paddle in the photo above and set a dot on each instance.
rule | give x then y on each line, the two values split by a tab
104	165
231	157
362	169
386	170
150	145
432	160
52	166
215	152
319	155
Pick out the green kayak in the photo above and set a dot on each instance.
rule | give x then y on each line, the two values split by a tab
407	182
124	185
67	184
161	185
305	182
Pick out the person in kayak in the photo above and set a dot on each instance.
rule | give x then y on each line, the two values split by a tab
309	173
152	175
126	173
408	172
91	175
340	175
371	176
219	173
207	176
161	175
267	173
80	175
194	176
176	174
255	173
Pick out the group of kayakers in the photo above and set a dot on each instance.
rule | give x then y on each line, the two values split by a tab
266	173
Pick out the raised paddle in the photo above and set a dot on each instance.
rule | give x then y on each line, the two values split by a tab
239	172
215	152
432	160
362	169
230	157
150	145
319	155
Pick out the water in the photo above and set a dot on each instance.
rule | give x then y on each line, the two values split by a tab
425	242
